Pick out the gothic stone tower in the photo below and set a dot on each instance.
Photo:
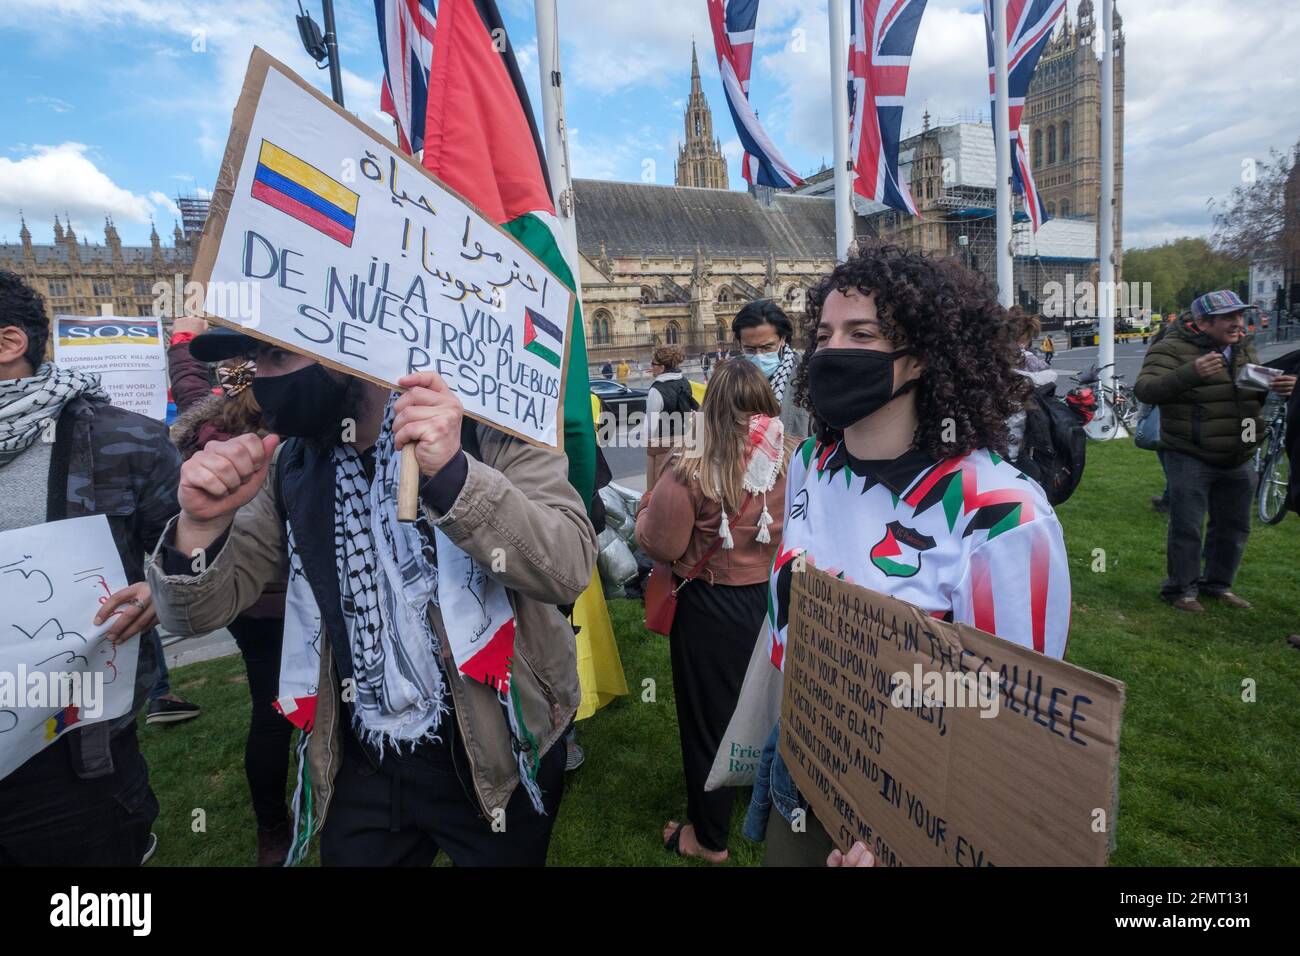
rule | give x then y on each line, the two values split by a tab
699	160
1063	113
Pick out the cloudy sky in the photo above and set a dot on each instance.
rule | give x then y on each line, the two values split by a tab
114	106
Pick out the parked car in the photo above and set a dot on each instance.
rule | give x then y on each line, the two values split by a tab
613	396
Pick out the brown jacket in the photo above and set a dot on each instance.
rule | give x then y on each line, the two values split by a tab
516	511
677	524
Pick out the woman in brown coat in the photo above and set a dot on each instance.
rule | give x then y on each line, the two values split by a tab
717	491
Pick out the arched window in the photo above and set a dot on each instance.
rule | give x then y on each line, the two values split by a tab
1065	207
1038	148
1051	209
724	296
670	333
1065	141
1051	145
724	331
600	328
647	295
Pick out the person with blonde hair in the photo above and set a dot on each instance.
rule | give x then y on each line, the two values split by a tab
709	517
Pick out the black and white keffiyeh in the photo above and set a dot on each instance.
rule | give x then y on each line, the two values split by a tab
389	572
27	404
781	377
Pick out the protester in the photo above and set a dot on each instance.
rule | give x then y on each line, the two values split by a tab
607	371
407	755
708	516
258	631
1209	425
1024	330
669	405
764	333
85	799
1049	349
622	371
904	487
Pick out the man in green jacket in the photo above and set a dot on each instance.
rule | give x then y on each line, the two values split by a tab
1209	425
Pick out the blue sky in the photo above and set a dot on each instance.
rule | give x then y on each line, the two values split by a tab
113	106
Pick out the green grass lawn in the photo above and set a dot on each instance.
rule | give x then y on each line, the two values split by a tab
1205	777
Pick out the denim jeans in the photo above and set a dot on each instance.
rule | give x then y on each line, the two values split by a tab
1195	489
163	685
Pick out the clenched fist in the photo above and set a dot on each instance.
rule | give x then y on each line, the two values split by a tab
218	481
429	415
1210	364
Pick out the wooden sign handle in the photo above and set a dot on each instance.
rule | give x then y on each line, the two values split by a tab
408	485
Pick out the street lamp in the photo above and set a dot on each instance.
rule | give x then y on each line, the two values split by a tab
324	49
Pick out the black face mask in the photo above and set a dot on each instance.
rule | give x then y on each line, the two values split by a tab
847	385
308	403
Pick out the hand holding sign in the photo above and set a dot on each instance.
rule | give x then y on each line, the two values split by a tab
134	610
429	416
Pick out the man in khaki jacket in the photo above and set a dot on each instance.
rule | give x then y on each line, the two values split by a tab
399	771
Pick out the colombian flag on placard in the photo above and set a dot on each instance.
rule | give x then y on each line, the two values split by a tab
302	191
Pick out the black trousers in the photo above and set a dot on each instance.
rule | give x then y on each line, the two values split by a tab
51	817
420	803
1196	489
270	736
710	644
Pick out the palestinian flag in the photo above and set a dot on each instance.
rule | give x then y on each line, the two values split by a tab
480	139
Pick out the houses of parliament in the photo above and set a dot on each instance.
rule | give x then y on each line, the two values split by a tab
674	263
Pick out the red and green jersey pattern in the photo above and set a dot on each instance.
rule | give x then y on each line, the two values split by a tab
969	539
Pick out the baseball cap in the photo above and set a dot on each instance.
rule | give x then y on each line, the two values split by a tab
1223	302
220	343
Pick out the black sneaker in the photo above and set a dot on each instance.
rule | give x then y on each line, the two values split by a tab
167	711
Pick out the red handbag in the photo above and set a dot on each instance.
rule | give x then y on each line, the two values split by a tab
661	596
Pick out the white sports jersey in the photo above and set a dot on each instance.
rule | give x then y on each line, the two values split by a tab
970	540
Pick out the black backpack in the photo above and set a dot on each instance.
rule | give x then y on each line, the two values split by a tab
1054	447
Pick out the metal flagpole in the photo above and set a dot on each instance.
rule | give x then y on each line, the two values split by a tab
840	119
554	132
1106	214
1002	132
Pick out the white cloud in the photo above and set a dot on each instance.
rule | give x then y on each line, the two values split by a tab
53	102
162	201
55	179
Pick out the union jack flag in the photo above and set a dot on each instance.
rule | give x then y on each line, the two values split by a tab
1029	29
883	33
733	41
406	43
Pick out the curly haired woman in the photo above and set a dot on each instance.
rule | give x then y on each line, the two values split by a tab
903	487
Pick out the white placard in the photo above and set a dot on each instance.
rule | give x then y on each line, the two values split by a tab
336	244
127	352
57	672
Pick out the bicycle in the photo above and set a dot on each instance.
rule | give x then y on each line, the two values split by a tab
1116	404
1273	468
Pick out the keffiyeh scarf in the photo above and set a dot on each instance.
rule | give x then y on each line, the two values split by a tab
28	404
389	571
781	377
763	465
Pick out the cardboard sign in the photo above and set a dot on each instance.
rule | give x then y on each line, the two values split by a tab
886	741
57	671
127	352
328	240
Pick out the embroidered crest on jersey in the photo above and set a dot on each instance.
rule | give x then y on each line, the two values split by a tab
898	553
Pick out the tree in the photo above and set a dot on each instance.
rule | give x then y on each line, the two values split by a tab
1180	270
1251	222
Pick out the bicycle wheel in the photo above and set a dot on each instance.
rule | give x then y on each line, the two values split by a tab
1274	483
1102	426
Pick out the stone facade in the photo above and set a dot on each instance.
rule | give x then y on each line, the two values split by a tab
1063	115
77	277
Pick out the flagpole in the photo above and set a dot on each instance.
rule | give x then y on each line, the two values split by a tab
840	119
1002	139
555	134
1106	214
